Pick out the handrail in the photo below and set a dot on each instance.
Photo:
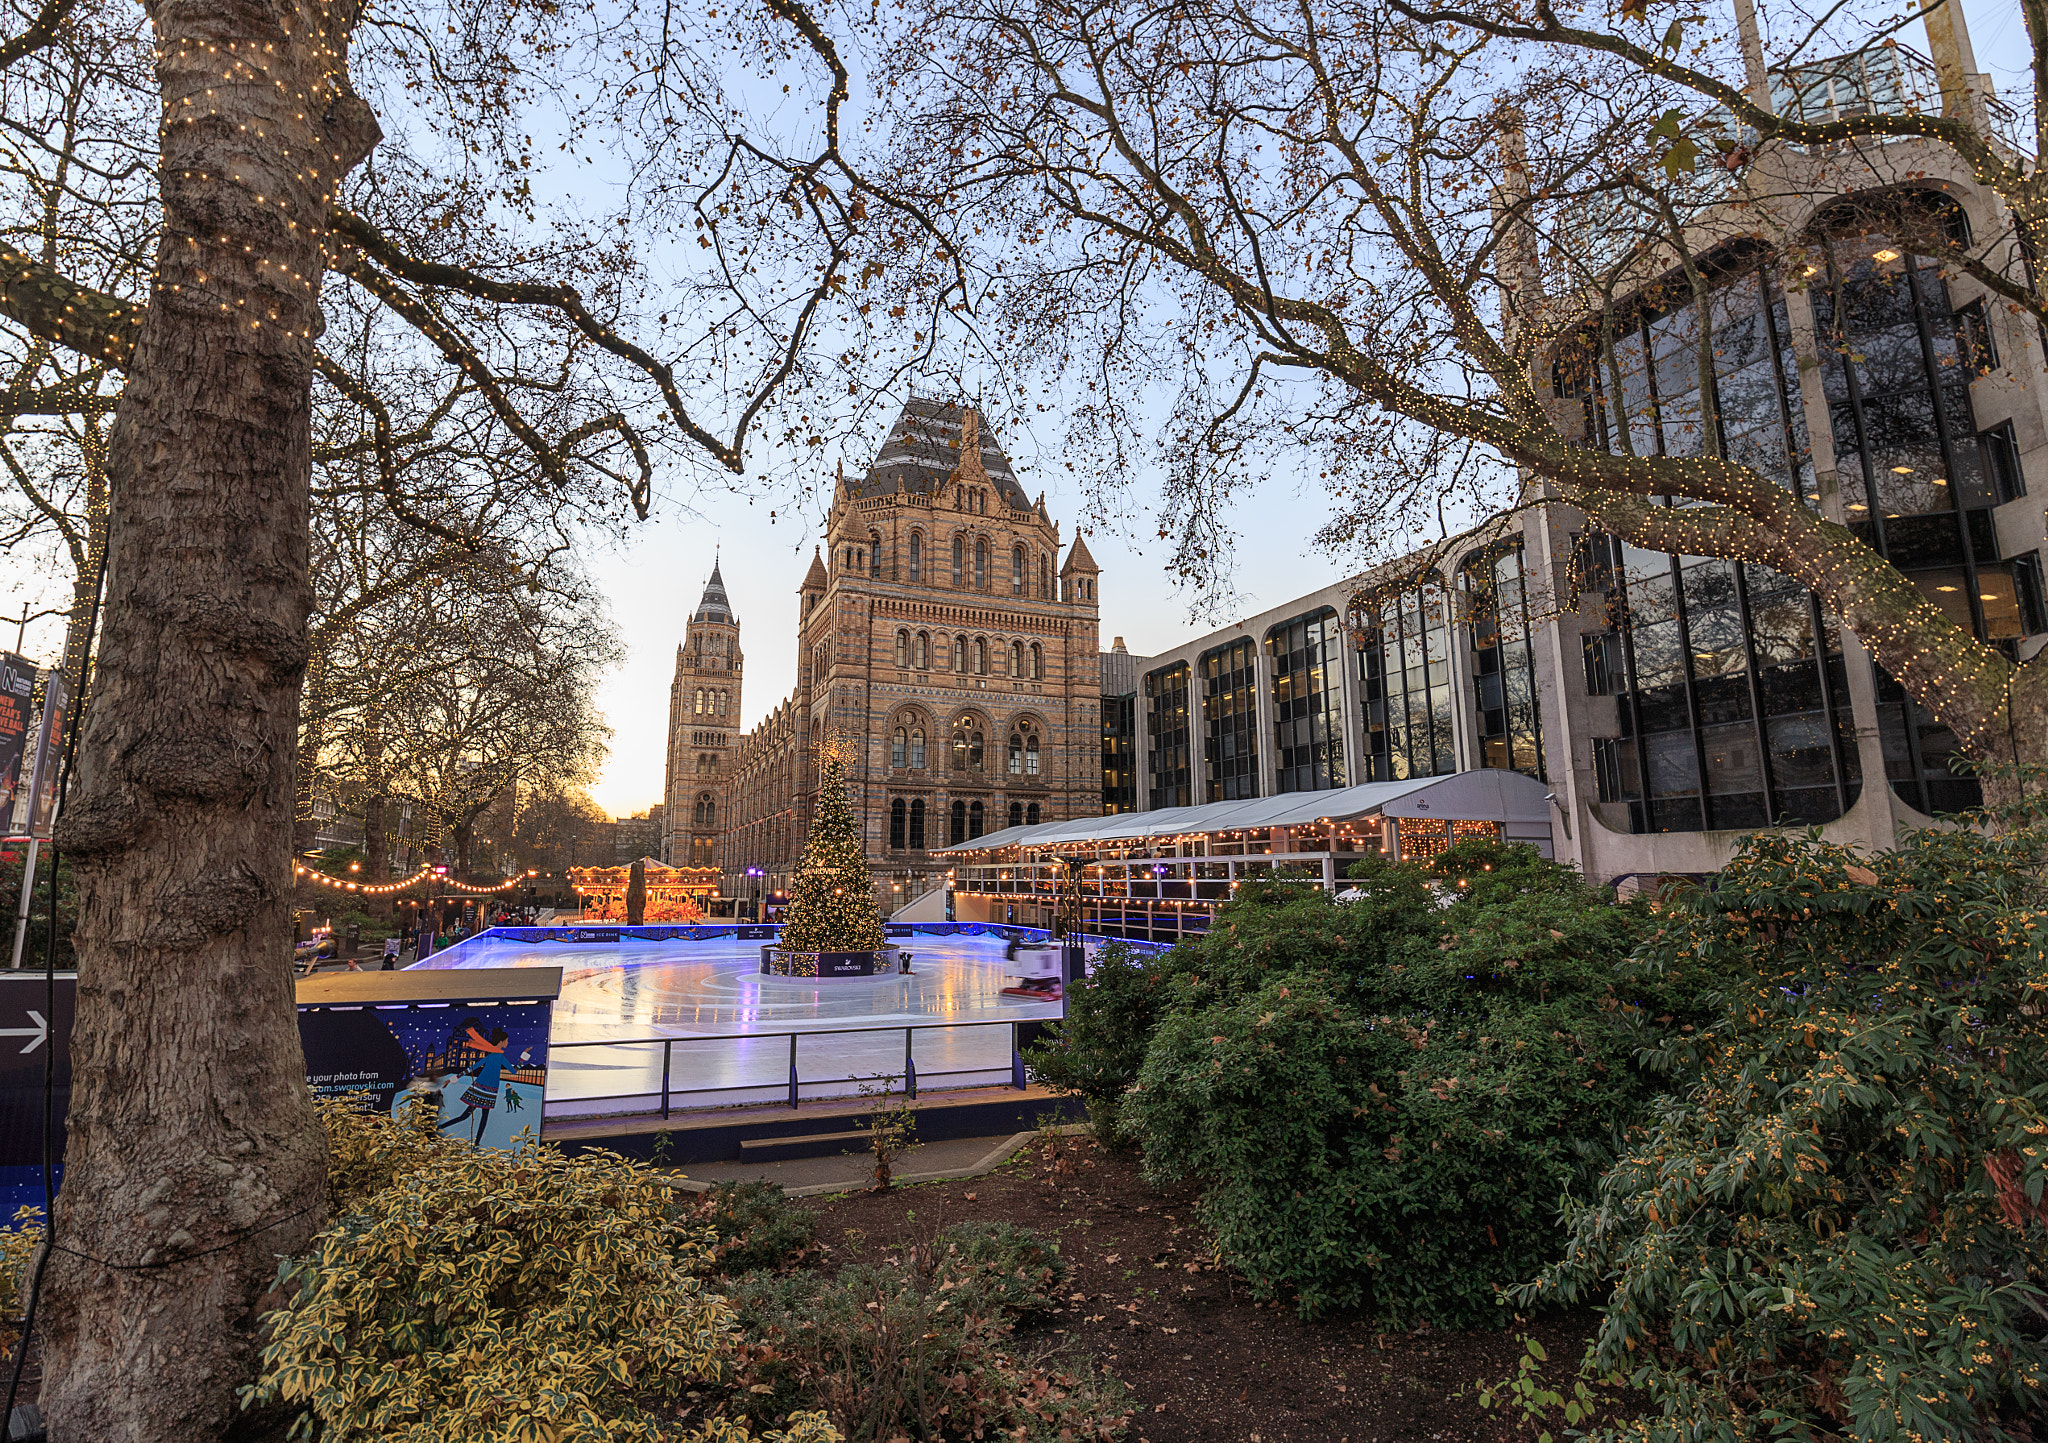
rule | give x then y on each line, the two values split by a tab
908	1029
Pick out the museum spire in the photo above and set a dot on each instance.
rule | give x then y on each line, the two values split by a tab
714	606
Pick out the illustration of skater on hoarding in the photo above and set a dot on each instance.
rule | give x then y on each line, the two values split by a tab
486	1064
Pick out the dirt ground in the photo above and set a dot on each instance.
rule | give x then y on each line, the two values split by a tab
1147	1301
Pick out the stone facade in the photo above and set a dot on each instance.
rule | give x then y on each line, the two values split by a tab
947	648
703	727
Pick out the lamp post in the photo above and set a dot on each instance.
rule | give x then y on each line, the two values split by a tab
754	884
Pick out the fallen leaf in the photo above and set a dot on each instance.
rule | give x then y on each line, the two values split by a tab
973	1197
1862	876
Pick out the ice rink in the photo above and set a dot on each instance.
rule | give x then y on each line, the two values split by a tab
725	1029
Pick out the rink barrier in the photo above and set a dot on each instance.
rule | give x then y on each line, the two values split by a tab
911	1076
587	934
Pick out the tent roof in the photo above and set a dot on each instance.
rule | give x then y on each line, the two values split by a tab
1485	794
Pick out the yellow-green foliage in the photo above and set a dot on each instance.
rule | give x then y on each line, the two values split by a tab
495	1297
368	1149
17	1256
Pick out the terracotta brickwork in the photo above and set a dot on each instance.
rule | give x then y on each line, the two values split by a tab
703	729
948	648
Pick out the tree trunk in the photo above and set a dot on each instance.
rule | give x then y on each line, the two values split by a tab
305	826
194	1157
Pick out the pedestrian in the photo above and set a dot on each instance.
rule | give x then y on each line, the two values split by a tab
391	952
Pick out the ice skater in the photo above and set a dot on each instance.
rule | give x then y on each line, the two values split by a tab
482	1093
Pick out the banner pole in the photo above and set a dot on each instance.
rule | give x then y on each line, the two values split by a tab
28	886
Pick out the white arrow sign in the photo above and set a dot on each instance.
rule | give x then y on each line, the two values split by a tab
36	1035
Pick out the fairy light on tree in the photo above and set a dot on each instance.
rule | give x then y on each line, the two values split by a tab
832	902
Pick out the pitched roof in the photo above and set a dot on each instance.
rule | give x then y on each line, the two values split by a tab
1078	559
924	448
815	577
714	606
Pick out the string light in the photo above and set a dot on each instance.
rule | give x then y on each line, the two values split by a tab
385	889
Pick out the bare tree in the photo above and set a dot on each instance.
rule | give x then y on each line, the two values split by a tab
695	300
1344	235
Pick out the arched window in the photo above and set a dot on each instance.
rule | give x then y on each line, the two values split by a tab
874	553
705	813
917	556
960	653
921	651
706	764
725	703
1017	570
976	745
917	825
700	701
974	820
1016	658
1037	662
981	656
1016	814
1031	756
981	563
917	747
1043	571
959	746
899	745
959	552
897	815
956	833
903	648
1016	755
1031	815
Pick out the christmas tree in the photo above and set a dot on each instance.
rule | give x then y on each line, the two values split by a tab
832	905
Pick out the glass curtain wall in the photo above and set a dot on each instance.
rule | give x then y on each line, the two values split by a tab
1732	699
1119	754
1504	661
1308	706
1166	729
1897	367
1404	666
1230	724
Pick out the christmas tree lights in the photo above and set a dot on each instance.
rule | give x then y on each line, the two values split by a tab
832	905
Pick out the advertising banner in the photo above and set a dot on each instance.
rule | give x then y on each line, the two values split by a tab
42	793
473	1044
17	685
30	1030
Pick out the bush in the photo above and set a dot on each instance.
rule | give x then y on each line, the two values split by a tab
506	1296
756	1227
999	1267
368	1149
18	1248
1839	1229
1096	1052
1385	1098
920	1349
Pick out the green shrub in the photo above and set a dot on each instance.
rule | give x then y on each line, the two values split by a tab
1838	1231
517	1296
920	1350
756	1226
999	1267
1384	1099
1096	1052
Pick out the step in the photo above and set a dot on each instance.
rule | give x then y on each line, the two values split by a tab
720	1134
814	1144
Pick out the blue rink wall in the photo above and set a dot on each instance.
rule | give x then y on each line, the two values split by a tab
495	946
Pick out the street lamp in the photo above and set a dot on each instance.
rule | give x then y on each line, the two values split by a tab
754	879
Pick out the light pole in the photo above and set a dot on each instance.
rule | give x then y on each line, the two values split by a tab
754	883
